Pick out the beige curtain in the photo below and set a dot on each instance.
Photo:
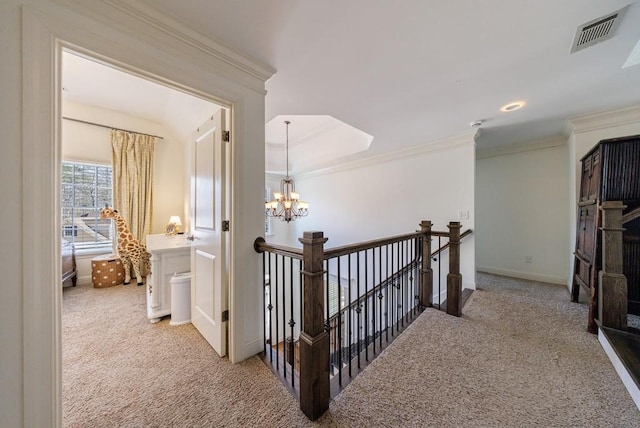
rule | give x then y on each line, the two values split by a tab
132	163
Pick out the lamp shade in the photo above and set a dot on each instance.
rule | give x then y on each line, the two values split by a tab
175	219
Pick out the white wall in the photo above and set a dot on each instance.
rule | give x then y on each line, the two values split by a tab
87	143
391	194
522	220
520	187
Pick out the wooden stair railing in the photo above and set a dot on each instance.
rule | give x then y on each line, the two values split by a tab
314	342
402	271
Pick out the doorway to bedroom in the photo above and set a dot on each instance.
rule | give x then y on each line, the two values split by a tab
106	327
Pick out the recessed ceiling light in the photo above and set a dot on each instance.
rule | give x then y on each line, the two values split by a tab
512	106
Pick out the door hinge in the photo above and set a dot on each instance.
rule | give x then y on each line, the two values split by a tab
225	316
225	225
225	136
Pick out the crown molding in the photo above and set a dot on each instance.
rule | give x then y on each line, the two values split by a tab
530	146
112	11
449	143
605	119
274	176
180	31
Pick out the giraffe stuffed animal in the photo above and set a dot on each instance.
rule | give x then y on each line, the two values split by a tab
130	250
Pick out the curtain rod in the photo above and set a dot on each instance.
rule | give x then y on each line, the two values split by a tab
109	127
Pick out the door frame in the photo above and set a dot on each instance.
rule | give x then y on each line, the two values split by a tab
155	49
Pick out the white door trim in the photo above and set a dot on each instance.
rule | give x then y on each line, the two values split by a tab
98	30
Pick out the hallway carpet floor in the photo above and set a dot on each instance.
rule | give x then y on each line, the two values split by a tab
519	356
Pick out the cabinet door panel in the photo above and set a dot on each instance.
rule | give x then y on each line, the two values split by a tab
585	180
594	180
590	232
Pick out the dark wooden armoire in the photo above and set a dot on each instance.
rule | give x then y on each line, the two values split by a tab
610	172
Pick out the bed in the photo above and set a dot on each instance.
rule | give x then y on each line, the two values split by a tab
69	271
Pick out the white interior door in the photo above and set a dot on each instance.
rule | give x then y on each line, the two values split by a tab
209	284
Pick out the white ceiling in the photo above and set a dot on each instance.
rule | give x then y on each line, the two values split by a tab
91	83
411	72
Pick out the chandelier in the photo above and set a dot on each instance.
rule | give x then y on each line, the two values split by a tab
287	205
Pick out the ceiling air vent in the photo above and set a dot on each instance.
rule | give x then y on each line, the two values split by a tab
598	30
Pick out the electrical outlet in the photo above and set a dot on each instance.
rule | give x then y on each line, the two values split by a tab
463	215
528	259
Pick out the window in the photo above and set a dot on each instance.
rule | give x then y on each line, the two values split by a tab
86	188
334	289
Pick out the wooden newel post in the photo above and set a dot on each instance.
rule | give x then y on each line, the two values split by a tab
426	298
314	340
612	284
454	278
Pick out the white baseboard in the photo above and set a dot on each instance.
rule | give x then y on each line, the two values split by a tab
441	297
523	275
631	386
84	280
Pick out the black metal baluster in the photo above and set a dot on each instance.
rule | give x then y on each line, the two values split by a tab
387	306
358	308
366	305
277	316
292	323
270	308
403	282
409	275
401	265
398	295
419	267
394	294
327	323
284	318
301	294
373	299
326	289
393	290
416	275
327	327
411	298
439	272
339	325
380	293
350	315
264	300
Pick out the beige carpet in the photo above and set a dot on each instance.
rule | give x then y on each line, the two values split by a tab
520	356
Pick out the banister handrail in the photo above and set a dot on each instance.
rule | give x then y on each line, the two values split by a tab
367	245
261	246
445	246
400	272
